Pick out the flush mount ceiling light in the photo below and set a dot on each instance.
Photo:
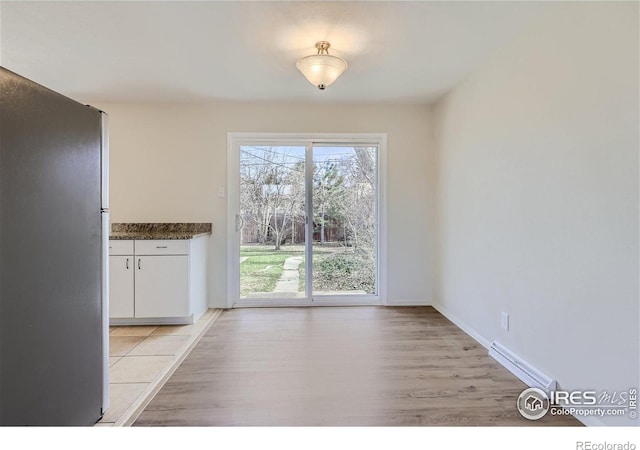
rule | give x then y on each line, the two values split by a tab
322	69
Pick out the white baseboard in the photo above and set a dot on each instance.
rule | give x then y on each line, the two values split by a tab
408	303
153	321
462	325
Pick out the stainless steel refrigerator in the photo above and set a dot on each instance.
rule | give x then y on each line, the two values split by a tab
54	227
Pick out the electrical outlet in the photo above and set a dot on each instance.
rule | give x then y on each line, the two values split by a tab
221	192
504	320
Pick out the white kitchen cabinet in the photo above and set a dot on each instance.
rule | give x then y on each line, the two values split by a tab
162	286
121	279
163	282
120	286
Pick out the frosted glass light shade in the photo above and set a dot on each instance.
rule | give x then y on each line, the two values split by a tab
321	70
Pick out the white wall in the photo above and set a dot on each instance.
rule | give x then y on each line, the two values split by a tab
537	197
168	160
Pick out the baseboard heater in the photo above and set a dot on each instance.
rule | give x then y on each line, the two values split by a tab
531	376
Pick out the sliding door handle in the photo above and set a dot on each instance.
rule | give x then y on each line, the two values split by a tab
239	222
139	264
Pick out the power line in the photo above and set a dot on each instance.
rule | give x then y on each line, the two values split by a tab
265	149
301	158
272	163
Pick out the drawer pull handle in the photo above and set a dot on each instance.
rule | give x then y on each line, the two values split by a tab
161	246
139	264
127	264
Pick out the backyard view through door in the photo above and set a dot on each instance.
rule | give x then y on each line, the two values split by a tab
272	214
307	222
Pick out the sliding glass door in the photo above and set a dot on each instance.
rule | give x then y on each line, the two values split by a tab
344	200
305	221
271	221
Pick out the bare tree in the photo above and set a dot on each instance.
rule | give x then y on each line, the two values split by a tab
271	196
359	202
328	196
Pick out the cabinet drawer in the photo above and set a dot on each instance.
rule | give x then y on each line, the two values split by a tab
162	247
117	247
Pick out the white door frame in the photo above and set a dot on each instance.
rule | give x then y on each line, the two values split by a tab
307	140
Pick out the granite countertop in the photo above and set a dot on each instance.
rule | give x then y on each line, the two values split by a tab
122	231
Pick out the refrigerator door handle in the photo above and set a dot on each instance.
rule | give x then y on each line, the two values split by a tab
104	160
105	310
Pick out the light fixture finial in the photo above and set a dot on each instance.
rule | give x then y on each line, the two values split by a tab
323	47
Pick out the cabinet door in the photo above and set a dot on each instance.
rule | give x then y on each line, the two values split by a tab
162	286
120	287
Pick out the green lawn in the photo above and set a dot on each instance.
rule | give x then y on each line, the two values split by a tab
334	269
263	267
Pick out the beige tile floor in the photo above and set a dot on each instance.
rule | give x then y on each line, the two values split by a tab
141	359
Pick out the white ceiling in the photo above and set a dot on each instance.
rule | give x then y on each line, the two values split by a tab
198	51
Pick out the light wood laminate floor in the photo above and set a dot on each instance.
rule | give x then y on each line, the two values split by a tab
141	358
360	366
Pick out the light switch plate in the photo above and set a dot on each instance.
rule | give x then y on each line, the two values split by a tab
504	321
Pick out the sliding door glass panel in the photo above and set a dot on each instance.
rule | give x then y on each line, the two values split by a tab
272	222
344	199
